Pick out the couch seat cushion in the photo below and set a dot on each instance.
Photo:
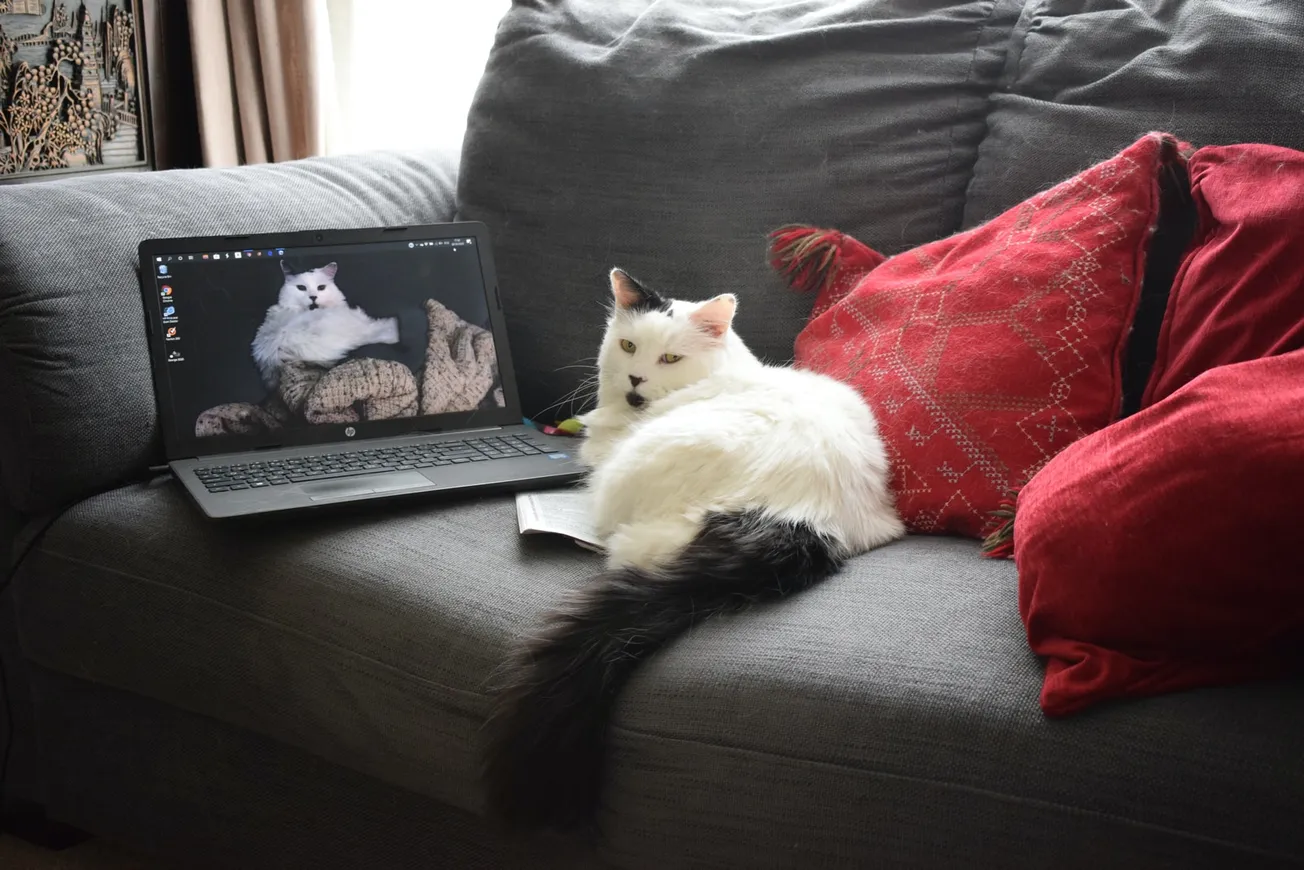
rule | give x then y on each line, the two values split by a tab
887	718
364	639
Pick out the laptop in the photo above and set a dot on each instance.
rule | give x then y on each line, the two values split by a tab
310	369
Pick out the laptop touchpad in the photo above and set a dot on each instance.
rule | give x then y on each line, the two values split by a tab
349	487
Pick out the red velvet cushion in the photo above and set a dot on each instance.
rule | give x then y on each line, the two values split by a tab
1164	552
1239	294
985	354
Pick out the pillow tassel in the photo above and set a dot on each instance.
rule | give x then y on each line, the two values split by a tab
811	258
1000	543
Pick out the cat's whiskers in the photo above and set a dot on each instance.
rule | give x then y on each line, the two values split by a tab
590	363
585	392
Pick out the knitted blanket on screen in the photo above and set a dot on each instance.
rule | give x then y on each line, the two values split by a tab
461	367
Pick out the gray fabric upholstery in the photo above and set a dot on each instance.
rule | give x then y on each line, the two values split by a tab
1083	80
668	138
209	795
365	639
834	725
889	718
77	406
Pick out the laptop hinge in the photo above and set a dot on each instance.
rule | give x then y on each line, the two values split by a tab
231	457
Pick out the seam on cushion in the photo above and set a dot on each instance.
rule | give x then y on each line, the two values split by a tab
970	789
997	84
253	617
1017	72
954	225
21	500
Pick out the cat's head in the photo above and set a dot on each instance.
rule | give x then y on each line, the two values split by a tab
310	290
654	346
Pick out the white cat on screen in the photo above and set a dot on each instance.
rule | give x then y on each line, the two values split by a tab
312	323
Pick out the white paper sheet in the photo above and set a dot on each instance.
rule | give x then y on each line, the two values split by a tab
558	512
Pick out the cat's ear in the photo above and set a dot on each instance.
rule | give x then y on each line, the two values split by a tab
329	270
715	316
629	295
285	270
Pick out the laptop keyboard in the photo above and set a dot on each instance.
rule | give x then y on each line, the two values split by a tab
280	472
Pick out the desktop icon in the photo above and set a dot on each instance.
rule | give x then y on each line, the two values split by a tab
170	311
162	270
166	290
172	332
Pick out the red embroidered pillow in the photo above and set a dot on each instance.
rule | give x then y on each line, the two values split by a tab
985	354
1239	293
1163	552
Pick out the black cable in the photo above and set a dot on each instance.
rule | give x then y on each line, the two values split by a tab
4	676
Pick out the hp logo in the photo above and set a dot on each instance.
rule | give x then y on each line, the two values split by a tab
349	432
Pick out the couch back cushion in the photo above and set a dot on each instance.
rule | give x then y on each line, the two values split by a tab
1082	80
669	137
77	406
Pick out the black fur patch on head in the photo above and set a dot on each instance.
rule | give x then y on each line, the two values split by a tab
646	300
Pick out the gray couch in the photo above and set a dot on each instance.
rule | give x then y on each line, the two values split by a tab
309	693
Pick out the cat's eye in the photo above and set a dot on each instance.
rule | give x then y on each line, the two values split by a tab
303	287
668	358
627	346
321	286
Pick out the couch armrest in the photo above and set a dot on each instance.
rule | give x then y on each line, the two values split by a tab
77	407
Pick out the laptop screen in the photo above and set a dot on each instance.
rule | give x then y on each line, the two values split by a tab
264	345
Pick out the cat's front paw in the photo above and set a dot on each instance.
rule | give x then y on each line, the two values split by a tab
388	331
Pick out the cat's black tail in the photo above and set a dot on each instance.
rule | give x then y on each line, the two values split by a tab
545	754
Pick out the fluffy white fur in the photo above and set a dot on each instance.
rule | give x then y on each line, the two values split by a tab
719	431
313	323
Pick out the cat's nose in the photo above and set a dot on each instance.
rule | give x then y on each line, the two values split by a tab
312	298
636	380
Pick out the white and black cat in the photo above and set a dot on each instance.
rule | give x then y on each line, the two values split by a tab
313	323
717	481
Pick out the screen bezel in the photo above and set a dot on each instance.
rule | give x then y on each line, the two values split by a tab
182	446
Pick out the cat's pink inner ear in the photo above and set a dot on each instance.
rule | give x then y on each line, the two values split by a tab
623	289
715	315
329	269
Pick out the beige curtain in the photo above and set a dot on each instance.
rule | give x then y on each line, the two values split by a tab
256	75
